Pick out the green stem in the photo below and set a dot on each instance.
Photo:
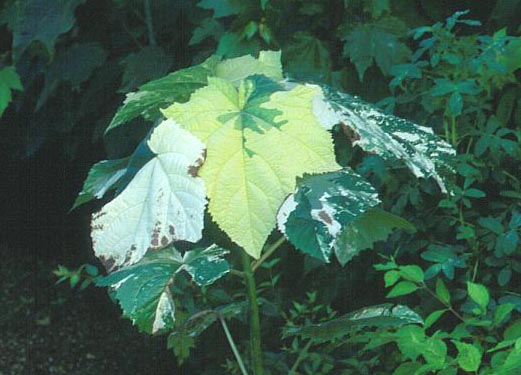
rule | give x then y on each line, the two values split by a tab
233	346
454	131
270	250
303	353
255	332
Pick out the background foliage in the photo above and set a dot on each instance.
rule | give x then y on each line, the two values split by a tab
62	77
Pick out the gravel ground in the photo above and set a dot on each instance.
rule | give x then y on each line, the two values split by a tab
49	329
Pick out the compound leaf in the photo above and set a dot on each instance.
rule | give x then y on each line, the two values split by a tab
143	289
164	201
319	210
391	137
259	138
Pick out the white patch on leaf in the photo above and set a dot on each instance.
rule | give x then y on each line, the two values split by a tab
287	207
165	311
164	202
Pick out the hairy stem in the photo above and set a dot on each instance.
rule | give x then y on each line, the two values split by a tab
255	332
270	250
233	346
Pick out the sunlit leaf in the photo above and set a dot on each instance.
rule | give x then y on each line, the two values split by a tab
259	138
164	202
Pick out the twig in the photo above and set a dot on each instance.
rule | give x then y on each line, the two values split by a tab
274	246
150	27
300	358
232	345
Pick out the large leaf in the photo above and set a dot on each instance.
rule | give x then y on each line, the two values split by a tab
9	80
175	87
164	202
307	58
393	138
237	69
370	43
101	178
384	315
143	289
148	63
39	20
360	234
259	139
315	215
74	65
179	85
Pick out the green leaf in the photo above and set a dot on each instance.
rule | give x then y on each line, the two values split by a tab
73	65
222	8
442	291
385	315
391	277
142	289
237	69
101	178
456	103
9	80
474	193
164	202
502	311
479	294
391	137
373	226
433	318
401	289
368	43
208	28
307	58
313	217
434	351
410	340
259	139
233	44
175	87
147	64
469	356
412	273
40	20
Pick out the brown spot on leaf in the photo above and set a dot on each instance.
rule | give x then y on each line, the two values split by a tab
193	169
164	241
171	230
108	263
350	133
325	217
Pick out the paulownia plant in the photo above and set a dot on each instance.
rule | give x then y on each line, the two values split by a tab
253	149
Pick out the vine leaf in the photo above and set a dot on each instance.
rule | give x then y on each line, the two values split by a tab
164	201
385	315
102	177
74	65
393	138
39	20
143	289
315	215
360	234
9	80
259	138
148	63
